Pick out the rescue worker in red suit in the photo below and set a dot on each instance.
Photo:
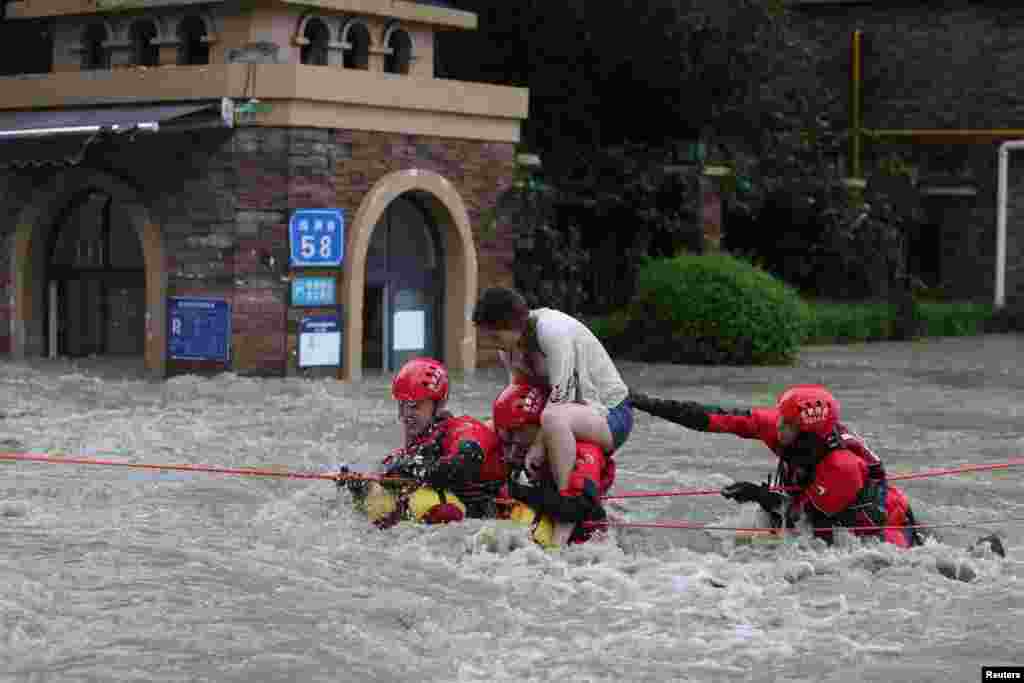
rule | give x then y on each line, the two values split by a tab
517	420
448	454
840	481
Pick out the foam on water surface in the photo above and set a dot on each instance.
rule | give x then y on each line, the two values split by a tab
118	575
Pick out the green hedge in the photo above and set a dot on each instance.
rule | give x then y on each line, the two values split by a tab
837	323
841	323
713	308
955	319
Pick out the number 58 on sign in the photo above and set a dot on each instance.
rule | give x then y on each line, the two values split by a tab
317	237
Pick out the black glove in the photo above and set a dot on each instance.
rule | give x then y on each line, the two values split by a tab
459	470
357	487
686	413
749	492
545	497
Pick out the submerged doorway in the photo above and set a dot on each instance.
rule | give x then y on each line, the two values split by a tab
404	292
96	285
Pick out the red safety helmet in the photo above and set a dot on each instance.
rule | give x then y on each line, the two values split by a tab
518	405
810	407
420	379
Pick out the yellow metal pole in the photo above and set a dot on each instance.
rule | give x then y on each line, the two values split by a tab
856	141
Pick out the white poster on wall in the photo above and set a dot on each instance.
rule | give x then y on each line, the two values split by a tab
410	331
319	341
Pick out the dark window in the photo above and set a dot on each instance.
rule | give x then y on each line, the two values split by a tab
94	54
193	49
147	53
315	51
400	57
357	56
26	47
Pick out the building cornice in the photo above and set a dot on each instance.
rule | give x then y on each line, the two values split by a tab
403	10
298	95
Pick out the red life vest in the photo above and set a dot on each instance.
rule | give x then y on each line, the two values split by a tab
443	441
869	504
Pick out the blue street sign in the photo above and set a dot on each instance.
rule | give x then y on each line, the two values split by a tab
198	329
319	341
317	237
313	291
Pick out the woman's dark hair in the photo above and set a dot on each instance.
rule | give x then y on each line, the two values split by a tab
500	307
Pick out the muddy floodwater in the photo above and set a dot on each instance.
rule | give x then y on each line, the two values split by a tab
112	574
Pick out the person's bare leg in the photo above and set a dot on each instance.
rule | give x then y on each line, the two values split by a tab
562	424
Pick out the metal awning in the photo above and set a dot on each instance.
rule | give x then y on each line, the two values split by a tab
62	137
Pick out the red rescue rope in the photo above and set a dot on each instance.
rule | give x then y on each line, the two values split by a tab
667	524
682	524
899	477
246	471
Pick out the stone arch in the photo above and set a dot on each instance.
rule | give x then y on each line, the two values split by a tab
163	32
194	49
357	42
332	24
440	198
399	48
313	51
93	47
34	227
345	32
145	46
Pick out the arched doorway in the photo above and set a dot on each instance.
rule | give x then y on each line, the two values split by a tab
96	281
42	234
436	199
404	288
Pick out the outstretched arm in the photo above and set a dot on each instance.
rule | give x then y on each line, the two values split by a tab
686	413
749	423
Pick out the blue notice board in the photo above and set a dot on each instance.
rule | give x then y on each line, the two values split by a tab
198	329
317	237
313	291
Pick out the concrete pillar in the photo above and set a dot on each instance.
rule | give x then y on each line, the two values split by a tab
168	51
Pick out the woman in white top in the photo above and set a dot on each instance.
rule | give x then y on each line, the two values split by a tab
588	400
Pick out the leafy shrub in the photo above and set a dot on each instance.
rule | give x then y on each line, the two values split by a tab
579	242
954	319
840	323
713	309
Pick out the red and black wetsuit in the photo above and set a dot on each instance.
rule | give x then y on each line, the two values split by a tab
457	454
842	483
591	478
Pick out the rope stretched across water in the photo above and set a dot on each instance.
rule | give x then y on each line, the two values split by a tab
214	469
963	469
665	524
682	524
334	476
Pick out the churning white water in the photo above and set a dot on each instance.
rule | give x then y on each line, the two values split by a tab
112	574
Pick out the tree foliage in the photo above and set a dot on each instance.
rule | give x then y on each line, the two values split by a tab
618	90
653	72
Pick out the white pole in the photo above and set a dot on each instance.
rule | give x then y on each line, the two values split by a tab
1002	197
53	319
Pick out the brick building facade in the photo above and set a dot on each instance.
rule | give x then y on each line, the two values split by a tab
209	206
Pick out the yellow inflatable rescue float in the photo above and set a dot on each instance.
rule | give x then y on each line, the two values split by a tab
382	502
